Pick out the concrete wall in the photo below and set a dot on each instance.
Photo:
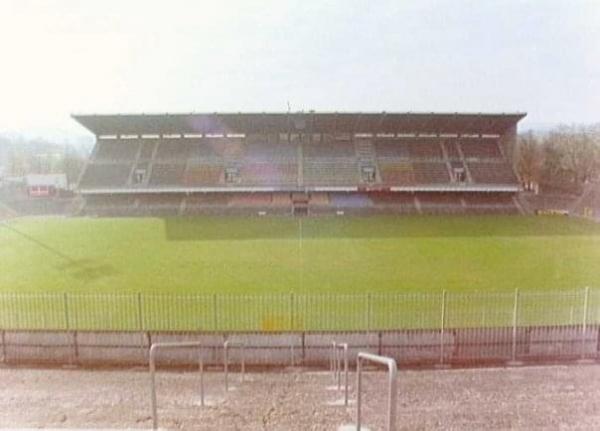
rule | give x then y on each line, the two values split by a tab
408	347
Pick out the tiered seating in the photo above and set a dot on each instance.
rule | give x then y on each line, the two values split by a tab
251	200
490	203
269	174
330	148
140	167
271	161
167	175
281	200
147	150
263	151
160	199
204	151
116	150
173	150
203	175
105	175
408	148
259	138
400	202
425	148
400	173
430	173
233	148
265	164
404	173
440	203
391	149
350	200
492	173
452	149
484	148
332	163
159	204
319	199
109	205
457	165
207	200
109	200
323	172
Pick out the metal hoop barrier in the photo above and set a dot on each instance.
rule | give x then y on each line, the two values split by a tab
226	345
392	392
153	350
340	350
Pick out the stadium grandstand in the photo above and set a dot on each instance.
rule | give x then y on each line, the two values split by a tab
300	163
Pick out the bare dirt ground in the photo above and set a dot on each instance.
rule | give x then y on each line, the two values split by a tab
530	398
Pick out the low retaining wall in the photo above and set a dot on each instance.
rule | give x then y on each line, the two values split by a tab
408	347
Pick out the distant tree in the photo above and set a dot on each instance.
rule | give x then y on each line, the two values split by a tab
530	159
20	156
571	157
579	152
72	165
18	163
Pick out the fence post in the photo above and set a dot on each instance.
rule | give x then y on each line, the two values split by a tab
14	306
291	311
74	351
515	322
226	365
141	325
369	326
586	298
442	326
66	311
4	347
140	313
75	348
201	367
215	321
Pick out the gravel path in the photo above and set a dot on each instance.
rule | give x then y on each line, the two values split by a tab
531	398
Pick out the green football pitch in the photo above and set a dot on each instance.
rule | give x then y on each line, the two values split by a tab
292	273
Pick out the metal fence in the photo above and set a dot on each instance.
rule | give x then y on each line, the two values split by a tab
295	312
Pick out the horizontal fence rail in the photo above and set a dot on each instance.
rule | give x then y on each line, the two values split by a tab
300	312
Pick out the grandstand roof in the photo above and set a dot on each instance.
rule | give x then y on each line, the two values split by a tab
310	122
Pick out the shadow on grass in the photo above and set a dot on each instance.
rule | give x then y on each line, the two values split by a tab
85	270
348	227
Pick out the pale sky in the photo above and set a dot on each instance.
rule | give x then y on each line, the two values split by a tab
63	57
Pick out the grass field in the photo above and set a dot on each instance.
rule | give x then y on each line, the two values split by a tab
383	260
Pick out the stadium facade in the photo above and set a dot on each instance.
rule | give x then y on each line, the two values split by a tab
300	163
